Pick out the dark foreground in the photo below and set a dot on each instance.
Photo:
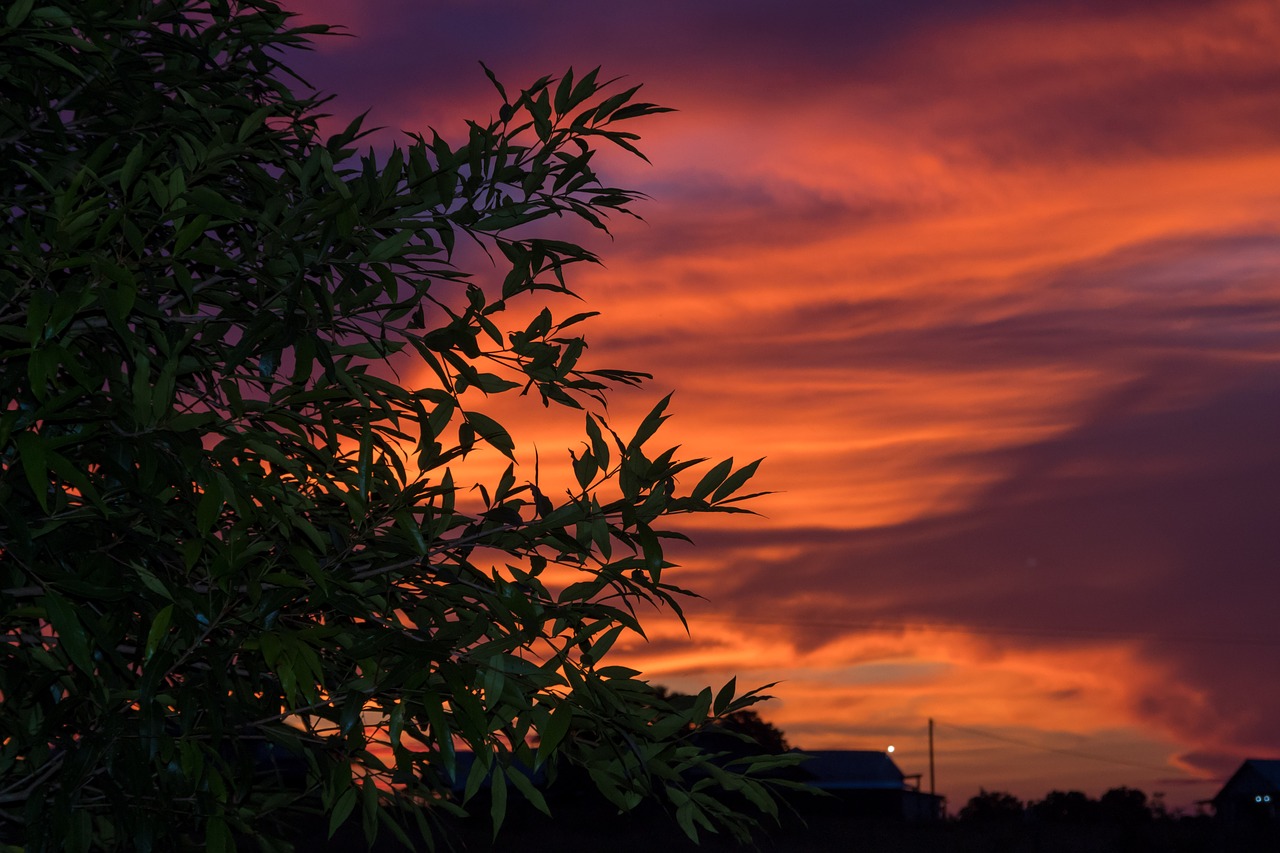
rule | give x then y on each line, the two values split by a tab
527	832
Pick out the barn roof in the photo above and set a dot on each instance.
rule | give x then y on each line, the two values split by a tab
1255	776
852	769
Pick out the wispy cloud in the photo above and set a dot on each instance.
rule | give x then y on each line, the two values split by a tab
996	289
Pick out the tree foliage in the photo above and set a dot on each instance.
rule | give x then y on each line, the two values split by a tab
737	732
1064	807
234	542
992	807
1125	805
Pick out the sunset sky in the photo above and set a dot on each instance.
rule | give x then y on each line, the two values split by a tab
995	289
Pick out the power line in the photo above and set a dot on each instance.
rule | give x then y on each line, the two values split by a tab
1071	752
1060	633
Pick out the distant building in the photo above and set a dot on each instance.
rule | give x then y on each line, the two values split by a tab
866	783
1252	794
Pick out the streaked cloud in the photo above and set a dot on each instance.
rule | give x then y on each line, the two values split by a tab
996	289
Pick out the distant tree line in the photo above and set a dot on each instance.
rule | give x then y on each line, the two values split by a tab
1122	819
1121	805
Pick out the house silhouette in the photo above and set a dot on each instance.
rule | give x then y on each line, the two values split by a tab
1252	794
867	783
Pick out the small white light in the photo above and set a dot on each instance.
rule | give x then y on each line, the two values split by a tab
891	747
1257	799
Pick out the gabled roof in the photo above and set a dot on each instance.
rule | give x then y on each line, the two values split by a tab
1268	768
852	769
1256	775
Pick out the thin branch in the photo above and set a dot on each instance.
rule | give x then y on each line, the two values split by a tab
54	764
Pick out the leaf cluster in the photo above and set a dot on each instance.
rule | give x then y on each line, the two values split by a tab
243	575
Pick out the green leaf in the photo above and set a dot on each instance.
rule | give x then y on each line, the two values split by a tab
189	233
494	80
31	454
684	817
651	549
651	423
72	636
365	462
18	13
56	60
701	705
525	786
492	384
759	797
600	646
142	391
252	122
151	582
599	448
159	629
369	808
493	433
735	481
584	470
476	776
553	732
724	698
210	506
390	247
712	479
564	93
498	797
540	112
342	809
613	102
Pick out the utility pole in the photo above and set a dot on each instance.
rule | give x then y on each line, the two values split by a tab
932	792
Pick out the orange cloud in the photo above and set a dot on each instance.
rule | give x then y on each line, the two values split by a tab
995	290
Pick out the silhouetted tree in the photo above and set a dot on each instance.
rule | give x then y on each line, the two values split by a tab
992	807
1124	805
228	539
1064	807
